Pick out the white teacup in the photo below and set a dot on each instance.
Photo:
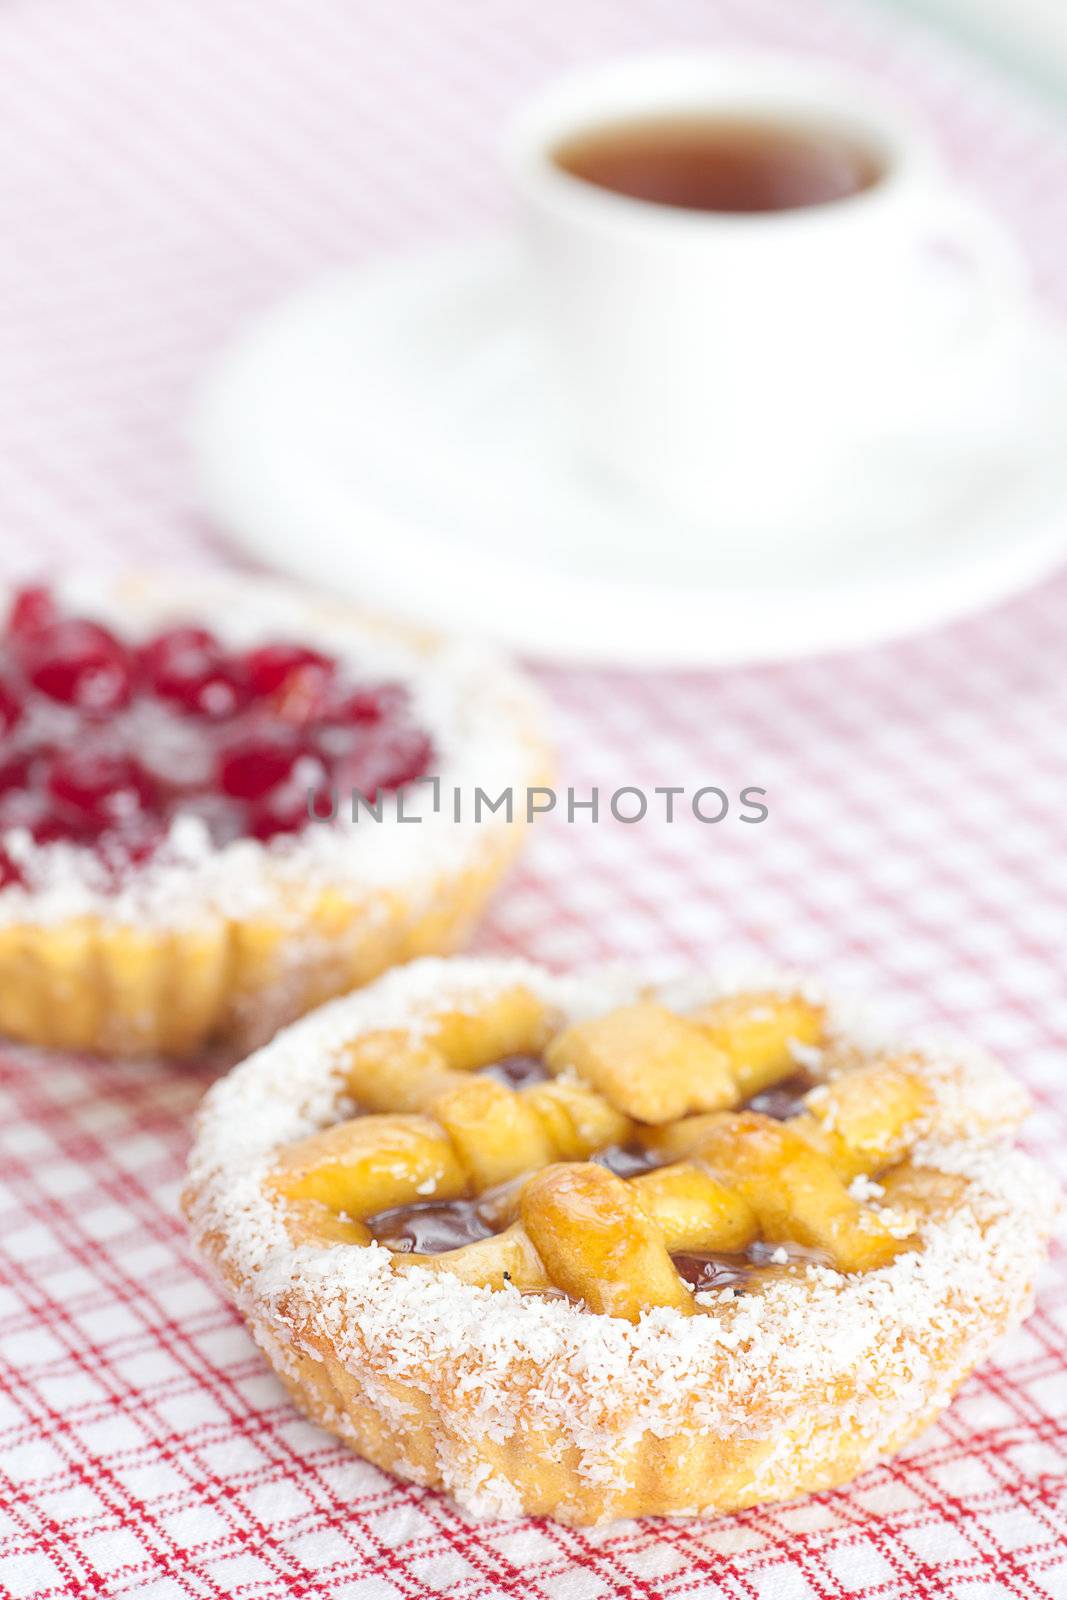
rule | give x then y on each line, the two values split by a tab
726	365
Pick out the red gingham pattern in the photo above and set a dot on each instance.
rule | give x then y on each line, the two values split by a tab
168	169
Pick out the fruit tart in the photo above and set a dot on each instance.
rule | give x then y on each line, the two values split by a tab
591	1249
199	782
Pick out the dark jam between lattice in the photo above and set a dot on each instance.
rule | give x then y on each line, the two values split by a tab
516	1072
783	1100
104	741
432	1226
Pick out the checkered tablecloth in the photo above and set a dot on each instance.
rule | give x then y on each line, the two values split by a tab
165	170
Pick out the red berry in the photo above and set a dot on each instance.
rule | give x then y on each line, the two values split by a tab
272	666
48	828
16	771
178	650
370	705
250	770
31	814
285	814
79	664
188	667
32	609
100	789
219	694
9	872
305	794
10	708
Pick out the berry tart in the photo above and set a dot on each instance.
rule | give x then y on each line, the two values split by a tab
182	859
590	1249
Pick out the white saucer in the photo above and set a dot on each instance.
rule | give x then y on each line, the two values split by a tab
385	435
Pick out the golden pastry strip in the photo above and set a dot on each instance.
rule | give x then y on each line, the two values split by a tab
475	1137
794	1191
694	1211
861	1121
371	1163
647	1062
636	1075
598	1243
657	1067
393	1069
866	1119
756	1031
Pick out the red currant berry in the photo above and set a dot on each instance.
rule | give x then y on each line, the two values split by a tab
273	666
219	694
289	811
181	650
9	872
16	772
277	814
47	828
32	609
305	794
370	705
188	667
250	770
10	708
100	789
79	664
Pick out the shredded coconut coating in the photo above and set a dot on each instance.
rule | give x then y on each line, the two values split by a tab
484	721
812	1359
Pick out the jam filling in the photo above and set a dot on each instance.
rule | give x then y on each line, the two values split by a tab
104	741
627	1160
785	1099
711	1269
706	1269
516	1072
431	1226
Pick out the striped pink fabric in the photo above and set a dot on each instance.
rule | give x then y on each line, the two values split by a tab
166	171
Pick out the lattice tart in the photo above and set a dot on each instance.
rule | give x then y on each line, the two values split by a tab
589	1249
179	861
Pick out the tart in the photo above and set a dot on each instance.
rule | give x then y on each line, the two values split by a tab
199	789
589	1249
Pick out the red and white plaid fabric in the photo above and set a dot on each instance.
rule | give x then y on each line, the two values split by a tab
168	169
